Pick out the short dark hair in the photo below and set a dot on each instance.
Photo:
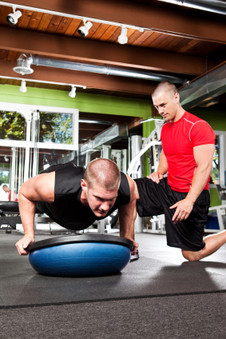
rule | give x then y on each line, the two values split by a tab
103	172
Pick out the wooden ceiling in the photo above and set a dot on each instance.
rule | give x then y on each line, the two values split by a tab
175	41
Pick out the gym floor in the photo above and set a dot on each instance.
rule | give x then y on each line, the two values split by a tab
159	296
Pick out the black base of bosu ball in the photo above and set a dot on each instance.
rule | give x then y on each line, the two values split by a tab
80	255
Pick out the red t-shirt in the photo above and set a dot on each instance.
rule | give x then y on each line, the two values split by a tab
178	140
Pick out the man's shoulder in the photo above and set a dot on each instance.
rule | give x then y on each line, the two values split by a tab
200	132
124	189
71	171
192	118
69	167
197	123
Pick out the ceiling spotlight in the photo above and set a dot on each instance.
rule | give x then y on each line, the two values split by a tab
84	30
23	88
72	93
12	18
123	39
24	65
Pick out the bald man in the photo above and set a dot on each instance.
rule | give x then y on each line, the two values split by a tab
75	198
188	144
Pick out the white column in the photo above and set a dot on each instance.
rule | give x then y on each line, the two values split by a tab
136	144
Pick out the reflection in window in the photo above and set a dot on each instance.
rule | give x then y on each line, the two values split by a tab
49	157
4	175
56	127
12	126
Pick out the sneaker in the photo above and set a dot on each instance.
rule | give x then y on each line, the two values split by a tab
134	257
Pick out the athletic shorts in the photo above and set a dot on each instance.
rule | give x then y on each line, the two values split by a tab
156	199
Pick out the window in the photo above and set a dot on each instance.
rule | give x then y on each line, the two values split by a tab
215	173
56	127
12	126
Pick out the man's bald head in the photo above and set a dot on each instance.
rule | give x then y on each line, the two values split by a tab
103	172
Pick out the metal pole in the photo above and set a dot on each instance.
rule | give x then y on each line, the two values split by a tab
13	172
136	144
35	139
28	136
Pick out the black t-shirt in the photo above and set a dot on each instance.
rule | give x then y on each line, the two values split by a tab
67	209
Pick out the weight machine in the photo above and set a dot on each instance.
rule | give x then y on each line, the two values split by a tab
152	145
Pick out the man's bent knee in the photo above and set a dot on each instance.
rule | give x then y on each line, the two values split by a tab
191	256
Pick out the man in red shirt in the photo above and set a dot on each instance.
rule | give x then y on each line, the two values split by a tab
188	146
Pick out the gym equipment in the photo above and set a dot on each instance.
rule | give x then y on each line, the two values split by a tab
216	219
9	215
80	255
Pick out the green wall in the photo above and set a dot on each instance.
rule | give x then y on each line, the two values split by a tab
90	103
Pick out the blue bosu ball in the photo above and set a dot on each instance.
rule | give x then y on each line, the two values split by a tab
77	256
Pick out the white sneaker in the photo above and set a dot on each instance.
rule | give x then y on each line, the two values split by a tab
134	257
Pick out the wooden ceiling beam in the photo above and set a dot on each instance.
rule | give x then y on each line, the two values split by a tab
76	49
134	123
152	15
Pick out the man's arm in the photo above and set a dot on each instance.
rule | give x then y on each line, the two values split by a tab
161	170
39	188
203	156
127	215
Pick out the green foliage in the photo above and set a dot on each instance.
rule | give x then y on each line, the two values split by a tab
12	126
56	127
4	177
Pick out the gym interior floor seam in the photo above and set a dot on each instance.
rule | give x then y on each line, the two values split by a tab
113	299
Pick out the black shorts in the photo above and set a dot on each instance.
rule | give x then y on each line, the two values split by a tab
156	199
